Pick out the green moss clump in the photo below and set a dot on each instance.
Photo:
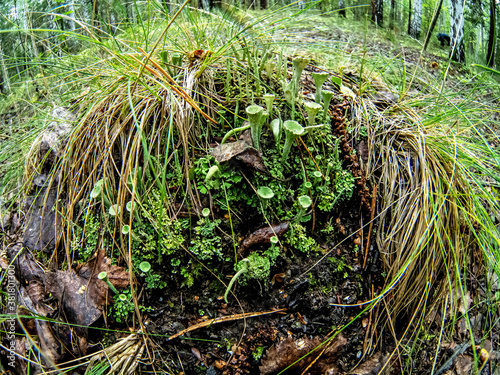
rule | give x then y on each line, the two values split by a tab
297	238
258	267
206	244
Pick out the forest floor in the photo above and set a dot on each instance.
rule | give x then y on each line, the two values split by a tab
310	313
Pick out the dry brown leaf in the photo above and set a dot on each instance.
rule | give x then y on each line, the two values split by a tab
82	295
286	352
263	235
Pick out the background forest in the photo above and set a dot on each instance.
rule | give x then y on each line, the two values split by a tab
41	31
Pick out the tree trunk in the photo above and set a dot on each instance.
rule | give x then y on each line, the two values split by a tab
26	24
95	16
433	24
5	73
409	16
380	13
71	15
490	55
342	9
263	4
392	14
416	19
457	30
357	10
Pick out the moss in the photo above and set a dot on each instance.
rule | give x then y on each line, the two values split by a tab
258	267
297	238
206	244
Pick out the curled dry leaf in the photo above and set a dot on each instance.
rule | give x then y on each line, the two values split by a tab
363	152
278	278
227	151
82	295
197	354
371	366
251	158
286	352
242	151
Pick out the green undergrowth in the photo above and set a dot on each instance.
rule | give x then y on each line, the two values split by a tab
150	189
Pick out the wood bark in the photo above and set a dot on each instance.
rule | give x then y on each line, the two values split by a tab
378	12
392	14
5	73
342	8
409	16
96	22
457	52
416	19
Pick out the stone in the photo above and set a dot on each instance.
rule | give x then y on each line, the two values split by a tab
53	139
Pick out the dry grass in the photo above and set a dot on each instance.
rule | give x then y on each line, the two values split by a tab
432	175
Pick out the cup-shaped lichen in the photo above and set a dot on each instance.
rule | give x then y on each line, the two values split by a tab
114	210
265	194
263	119
299	64
312	110
319	79
269	99
317	176
269	68
97	190
133	209
104	277
292	89
274	241
212	171
145	266
304	203
293	130
205	212
276	129
327	98
254	113
289	97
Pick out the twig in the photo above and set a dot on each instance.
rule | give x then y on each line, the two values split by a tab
374	201
172	84
222	319
368	327
318	356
